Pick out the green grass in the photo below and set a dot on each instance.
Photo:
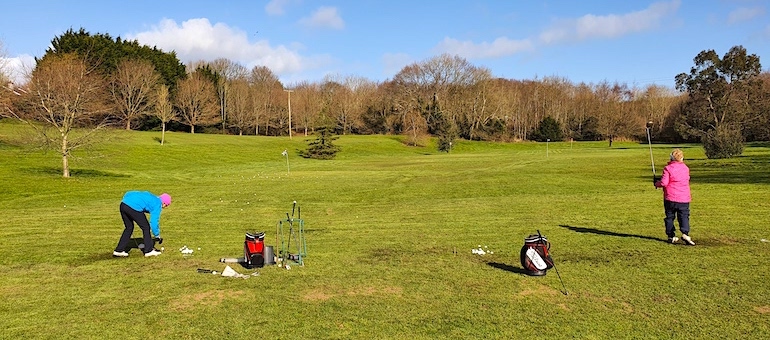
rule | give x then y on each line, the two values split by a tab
389	230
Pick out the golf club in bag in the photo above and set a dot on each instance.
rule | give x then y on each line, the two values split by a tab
536	258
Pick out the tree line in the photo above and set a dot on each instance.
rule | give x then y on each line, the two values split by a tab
96	81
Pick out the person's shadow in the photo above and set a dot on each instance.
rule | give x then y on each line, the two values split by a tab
609	233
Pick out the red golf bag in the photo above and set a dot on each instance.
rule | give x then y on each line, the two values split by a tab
534	255
253	250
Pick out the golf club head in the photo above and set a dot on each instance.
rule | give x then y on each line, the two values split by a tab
649	124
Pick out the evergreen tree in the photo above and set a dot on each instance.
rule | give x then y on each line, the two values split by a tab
322	147
548	128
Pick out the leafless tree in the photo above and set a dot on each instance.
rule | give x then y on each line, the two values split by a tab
239	110
164	109
306	105
68	97
613	111
196	100
226	71
265	88
132	87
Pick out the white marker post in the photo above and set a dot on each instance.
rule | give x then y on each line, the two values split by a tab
288	171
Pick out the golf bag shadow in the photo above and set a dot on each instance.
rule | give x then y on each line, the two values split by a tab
253	250
535	257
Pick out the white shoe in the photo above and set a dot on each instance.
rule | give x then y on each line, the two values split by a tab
687	240
119	254
673	239
152	253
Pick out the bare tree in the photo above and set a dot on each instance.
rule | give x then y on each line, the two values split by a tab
613	112
196	100
239	110
67	96
306	105
132	87
226	71
164	110
265	86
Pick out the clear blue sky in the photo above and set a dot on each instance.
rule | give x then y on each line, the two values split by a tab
637	42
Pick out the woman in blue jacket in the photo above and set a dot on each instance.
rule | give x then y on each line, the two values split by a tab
132	209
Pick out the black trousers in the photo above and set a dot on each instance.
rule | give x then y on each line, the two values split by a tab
680	212
130	216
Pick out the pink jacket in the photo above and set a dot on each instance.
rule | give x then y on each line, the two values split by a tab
675	182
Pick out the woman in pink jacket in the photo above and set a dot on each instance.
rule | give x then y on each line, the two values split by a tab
676	197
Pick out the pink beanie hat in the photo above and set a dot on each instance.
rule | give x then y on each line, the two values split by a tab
165	198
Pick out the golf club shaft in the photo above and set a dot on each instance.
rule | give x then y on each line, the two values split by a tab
554	265
649	141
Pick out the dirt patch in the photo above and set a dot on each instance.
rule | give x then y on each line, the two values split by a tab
369	291
212	298
317	295
539	290
320	295
762	309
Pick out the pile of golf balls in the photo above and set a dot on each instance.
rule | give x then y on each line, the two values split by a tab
185	251
481	251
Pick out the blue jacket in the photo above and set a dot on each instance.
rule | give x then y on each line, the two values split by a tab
146	202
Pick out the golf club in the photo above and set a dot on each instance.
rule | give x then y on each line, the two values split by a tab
649	141
291	231
554	266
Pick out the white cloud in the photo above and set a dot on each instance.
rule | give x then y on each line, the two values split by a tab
500	47
324	17
276	7
742	14
198	39
609	26
18	68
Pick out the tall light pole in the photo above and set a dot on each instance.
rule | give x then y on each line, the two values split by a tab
289	91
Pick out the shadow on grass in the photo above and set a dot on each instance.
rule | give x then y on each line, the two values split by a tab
609	233
75	172
508	268
737	170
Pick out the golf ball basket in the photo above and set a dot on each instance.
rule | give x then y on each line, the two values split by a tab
291	239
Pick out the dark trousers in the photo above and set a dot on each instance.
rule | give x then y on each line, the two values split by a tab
680	211
130	216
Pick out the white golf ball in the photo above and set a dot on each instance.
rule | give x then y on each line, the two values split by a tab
162	248
288	267
199	248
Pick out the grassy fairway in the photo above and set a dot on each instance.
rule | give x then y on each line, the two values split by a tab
389	231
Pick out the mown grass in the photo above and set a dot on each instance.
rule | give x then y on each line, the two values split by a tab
389	230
